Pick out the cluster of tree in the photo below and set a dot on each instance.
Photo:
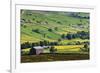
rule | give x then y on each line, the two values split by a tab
36	30
32	51
51	30
85	48
53	50
44	34
40	43
45	43
23	20
85	17
41	22
30	20
59	22
25	45
23	25
83	35
40	32
77	15
69	36
80	34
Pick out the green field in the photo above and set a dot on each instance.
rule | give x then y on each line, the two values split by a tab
32	20
64	32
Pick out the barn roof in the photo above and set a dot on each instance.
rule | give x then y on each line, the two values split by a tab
40	47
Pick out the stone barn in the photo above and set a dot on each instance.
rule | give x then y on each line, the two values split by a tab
36	50
39	50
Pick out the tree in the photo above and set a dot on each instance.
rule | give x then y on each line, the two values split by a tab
58	22
25	45
74	36
59	40
38	22
80	20
85	48
41	43
50	30
44	35
83	34
45	43
32	51
52	50
78	43
33	44
69	36
51	43
55	43
24	26
33	18
37	44
46	22
36	30
63	36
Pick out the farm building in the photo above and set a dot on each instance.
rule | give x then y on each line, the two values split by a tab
37	50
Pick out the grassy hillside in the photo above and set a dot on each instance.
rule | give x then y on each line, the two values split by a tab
49	26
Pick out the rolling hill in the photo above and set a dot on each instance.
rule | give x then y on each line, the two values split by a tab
50	25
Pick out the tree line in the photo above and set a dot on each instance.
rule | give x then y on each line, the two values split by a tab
80	34
40	43
68	36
